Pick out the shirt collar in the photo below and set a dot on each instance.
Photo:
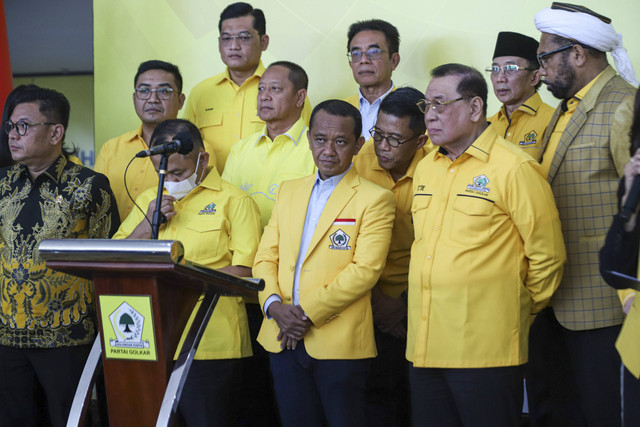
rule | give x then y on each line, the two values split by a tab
530	106
571	103
480	148
294	134
410	170
53	172
226	76
331	181
212	180
363	100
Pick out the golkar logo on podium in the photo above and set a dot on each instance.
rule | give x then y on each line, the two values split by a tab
131	334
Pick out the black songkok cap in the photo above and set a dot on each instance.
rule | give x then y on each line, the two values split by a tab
516	44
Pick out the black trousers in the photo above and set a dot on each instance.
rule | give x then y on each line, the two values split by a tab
480	397
388	384
211	394
580	364
310	390
258	405
37	385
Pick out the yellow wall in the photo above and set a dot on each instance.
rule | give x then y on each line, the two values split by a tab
312	34
79	92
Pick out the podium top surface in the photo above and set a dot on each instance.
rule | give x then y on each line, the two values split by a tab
151	251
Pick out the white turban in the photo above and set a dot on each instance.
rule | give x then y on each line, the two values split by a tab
591	31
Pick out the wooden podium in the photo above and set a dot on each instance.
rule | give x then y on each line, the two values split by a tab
145	293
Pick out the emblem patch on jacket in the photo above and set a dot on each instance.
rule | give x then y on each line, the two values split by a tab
479	184
340	241
530	138
210	209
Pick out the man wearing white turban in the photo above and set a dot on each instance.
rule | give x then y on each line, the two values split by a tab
583	153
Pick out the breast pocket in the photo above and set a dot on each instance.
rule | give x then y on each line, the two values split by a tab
471	222
204	239
419	212
209	119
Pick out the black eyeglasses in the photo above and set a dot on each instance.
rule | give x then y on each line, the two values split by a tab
144	93
391	140
371	53
22	127
543	57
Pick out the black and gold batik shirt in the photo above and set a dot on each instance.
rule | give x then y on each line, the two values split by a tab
39	307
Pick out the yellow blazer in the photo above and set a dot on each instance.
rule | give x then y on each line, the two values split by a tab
336	277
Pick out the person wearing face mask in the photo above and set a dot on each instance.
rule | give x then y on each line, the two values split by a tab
219	226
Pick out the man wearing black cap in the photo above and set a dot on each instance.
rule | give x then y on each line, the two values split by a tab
523	117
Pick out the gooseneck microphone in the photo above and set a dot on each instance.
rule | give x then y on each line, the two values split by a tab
181	143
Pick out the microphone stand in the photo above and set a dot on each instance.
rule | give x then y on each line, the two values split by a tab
158	216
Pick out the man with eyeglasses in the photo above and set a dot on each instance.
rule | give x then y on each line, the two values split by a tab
583	155
224	106
372	50
47	318
390	161
523	116
157	97
487	255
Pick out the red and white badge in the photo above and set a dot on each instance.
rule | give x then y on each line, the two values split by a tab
344	221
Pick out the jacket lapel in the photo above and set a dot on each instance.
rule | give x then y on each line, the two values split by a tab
300	196
337	201
577	121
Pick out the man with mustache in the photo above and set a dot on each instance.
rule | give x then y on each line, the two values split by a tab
515	77
583	155
157	97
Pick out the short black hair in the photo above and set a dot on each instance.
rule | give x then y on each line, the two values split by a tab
635	125
403	102
471	84
297	75
240	9
337	107
156	64
170	128
390	32
53	105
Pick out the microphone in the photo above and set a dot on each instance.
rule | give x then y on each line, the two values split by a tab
631	204
181	143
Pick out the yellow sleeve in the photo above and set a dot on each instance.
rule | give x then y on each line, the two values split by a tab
189	109
100	164
534	213
625	294
244	232
230	173
268	256
135	216
361	275
619	140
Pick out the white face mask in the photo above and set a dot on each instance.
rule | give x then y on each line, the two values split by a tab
182	188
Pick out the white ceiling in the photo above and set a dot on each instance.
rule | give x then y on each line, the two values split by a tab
50	37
